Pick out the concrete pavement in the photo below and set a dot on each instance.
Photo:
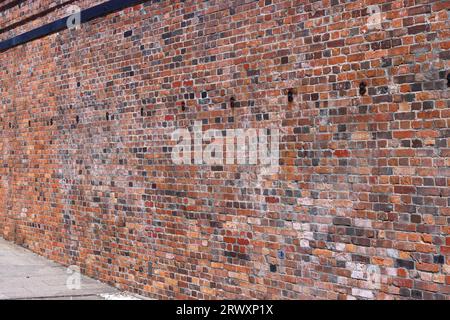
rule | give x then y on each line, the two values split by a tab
25	275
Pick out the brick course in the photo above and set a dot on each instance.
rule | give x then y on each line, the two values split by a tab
87	176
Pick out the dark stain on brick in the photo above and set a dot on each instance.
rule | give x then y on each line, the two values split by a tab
290	95
402	263
362	88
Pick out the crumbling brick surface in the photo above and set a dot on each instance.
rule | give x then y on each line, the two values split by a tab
358	209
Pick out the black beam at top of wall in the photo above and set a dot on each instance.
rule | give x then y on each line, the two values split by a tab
97	11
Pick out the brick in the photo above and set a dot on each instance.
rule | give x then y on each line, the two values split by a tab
407	264
341	221
405	189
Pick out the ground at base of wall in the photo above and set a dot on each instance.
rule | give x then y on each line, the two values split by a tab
25	275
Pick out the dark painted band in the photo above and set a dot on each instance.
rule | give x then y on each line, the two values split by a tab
97	11
38	15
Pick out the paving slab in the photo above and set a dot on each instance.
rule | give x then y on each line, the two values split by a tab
26	275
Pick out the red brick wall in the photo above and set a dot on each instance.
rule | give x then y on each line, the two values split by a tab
363	180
